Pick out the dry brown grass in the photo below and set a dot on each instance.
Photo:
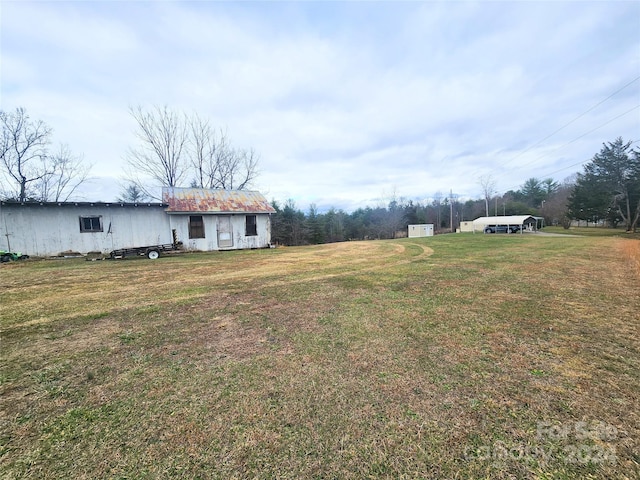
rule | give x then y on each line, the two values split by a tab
401	359
631	250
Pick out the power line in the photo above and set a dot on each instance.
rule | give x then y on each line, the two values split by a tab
572	121
578	138
569	123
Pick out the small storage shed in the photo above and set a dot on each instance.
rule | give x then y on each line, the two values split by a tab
424	230
218	219
466	226
523	222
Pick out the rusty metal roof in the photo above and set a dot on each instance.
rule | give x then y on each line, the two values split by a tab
203	200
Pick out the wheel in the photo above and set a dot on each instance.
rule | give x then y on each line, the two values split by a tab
5	258
488	230
510	231
153	254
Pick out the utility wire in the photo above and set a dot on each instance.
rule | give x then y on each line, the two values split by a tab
578	138
572	121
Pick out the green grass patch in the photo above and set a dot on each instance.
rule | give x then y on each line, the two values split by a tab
455	356
594	232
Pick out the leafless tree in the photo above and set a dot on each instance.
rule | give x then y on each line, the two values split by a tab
488	185
67	173
23	152
215	162
555	208
174	146
160	156
27	167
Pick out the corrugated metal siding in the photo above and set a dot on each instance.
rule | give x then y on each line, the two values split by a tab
49	229
503	220
186	200
240	241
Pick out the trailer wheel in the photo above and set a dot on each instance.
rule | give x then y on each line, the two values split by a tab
153	254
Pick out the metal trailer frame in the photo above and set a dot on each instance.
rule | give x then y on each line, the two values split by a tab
152	252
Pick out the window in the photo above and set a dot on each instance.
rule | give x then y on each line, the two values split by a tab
251	226
196	226
91	224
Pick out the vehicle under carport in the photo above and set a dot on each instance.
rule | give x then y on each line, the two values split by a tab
505	224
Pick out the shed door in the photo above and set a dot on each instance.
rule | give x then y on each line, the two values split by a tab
225	235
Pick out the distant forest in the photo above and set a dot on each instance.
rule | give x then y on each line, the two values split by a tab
292	226
606	192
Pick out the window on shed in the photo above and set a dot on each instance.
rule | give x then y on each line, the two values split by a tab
251	226
196	226
91	224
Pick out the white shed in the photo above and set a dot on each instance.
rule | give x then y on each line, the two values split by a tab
424	230
219	219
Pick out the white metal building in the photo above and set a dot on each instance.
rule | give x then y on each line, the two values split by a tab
200	219
423	230
522	222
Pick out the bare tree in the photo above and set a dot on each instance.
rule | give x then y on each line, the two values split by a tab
30	171
555	207
240	170
488	185
173	146
67	173
23	152
216	163
160	157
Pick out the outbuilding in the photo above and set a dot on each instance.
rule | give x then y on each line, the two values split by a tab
422	230
218	219
504	223
201	219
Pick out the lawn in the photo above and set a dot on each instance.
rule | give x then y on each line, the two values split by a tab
456	356
594	232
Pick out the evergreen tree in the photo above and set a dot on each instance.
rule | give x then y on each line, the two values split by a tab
610	186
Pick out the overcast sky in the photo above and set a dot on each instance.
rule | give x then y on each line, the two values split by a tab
347	103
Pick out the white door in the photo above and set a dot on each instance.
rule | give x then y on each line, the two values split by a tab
225	235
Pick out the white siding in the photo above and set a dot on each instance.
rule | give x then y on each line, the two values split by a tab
423	230
180	222
466	226
51	229
43	230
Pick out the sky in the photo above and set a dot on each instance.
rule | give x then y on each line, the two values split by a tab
348	104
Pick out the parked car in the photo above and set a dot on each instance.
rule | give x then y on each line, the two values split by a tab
502	229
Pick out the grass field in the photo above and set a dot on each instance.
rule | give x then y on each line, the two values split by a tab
595	232
457	356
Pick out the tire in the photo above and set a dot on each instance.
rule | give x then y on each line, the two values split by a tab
510	230
153	254
5	258
488	230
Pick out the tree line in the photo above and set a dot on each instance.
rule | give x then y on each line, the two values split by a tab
292	226
175	149
606	192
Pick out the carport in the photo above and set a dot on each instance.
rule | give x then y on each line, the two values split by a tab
511	222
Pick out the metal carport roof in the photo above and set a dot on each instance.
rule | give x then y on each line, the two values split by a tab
481	222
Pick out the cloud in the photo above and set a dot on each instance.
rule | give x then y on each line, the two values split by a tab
342	100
